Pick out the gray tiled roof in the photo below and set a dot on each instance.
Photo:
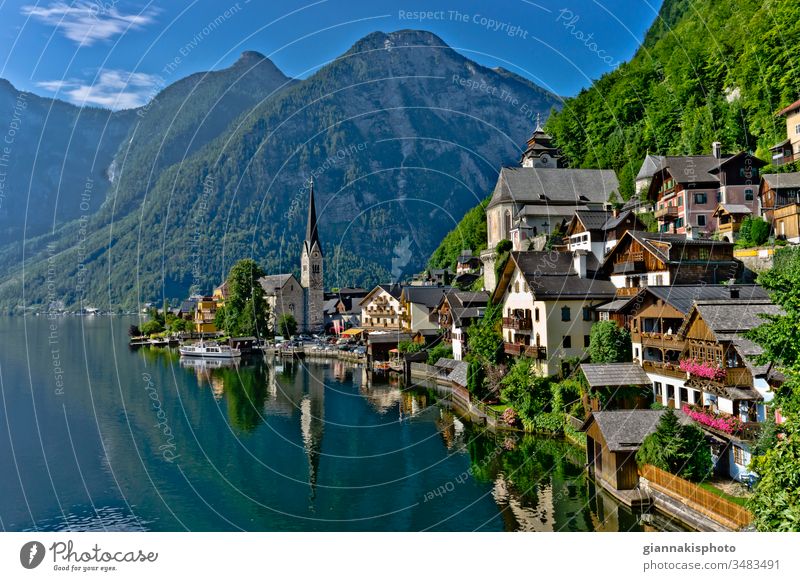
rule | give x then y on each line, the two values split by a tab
693	168
650	165
459	373
446	363
388	337
552	274
561	186
614	374
735	317
274	282
676	241
734	209
682	297
429	296
594	219
782	180
624	215
625	430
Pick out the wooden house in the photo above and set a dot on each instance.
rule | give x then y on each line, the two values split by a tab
380	309
788	150
612	386
780	204
612	440
729	218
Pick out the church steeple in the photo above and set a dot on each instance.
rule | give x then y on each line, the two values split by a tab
540	151
312	237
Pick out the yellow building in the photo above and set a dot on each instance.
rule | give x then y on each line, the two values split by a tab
204	315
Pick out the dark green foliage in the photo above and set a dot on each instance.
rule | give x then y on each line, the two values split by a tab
409	347
679	92
178	325
503	250
609	343
485	337
476	379
152	327
133	331
439	351
529	394
287	325
246	311
469	233
754	231
677	449
776	500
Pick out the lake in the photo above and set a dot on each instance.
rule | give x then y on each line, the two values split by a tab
97	436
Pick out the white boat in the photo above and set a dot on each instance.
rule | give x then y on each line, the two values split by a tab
209	350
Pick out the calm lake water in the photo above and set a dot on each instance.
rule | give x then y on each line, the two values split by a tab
96	436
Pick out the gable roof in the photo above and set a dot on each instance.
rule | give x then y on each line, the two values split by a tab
593	219
428	296
621	217
552	275
614	374
650	165
394	290
459	373
625	430
553	186
668	248
272	283
727	318
777	181
790	108
682	297
735	209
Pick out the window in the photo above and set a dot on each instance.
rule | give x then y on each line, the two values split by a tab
719	197
587	314
536	314
516	287
797	129
636	353
679	223
566	342
748	195
670	391
659	280
738	456
586	341
680	201
565	315
684	393
700	198
701	219
315	268
657	387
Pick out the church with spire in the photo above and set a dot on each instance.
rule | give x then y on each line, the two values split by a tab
301	298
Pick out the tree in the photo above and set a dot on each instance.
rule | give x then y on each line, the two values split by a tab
485	338
178	325
133	331
439	351
525	391
775	503
681	450
246	310
287	325
152	327
608	343
476	379
409	347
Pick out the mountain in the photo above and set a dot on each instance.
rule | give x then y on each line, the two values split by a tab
53	161
401	133
707	71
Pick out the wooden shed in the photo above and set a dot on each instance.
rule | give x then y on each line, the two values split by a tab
612	440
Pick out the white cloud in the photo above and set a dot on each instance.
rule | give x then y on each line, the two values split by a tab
87	22
113	89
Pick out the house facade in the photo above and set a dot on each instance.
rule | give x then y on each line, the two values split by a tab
381	309
598	231
788	150
548	301
455	313
686	190
417	304
780	204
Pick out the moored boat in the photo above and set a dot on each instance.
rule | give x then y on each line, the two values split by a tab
209	350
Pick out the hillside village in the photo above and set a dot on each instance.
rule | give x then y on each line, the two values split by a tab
565	268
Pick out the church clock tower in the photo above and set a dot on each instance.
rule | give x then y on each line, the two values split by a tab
311	270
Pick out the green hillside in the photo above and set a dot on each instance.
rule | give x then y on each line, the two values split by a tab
707	71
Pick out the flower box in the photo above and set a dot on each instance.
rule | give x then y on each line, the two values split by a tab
723	423
703	369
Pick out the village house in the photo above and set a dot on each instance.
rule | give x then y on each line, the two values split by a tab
342	309
780	204
539	198
788	150
729	218
548	301
650	166
653	259
204	315
616	386
456	312
612	440
687	189
598	231
467	263
416	306
726	389
380	309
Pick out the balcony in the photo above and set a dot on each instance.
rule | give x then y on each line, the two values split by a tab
382	311
667	369
662	341
628	291
518	324
729	227
518	349
666	213
629	262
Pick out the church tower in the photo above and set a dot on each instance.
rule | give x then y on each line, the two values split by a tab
311	270
540	151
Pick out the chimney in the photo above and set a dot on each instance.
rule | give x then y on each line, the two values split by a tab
579	262
615	211
716	149
734	292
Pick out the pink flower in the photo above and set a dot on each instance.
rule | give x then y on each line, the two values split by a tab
703	369
723	423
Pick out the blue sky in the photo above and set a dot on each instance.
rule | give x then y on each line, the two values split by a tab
114	53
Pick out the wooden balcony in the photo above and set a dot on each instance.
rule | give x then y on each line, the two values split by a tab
668	369
628	291
517	324
786	211
662	341
517	349
666	213
729	227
